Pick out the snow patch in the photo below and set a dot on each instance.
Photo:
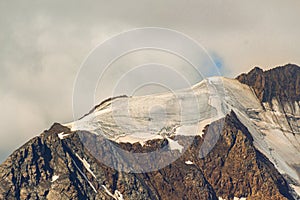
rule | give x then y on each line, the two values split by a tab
138	138
54	178
234	198
84	176
295	188
62	135
188	162
194	129
241	198
174	145
117	195
86	165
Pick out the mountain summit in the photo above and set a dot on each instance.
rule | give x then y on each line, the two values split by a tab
281	83
221	139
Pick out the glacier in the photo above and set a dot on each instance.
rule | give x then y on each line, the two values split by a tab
275	130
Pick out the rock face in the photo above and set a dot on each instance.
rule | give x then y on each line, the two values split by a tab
278	90
235	168
62	164
48	167
281	83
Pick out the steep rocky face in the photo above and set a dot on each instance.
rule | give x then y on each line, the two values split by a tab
49	167
44	168
236	168
278	90
56	165
281	83
256	79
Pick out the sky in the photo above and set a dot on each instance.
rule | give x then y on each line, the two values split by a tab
44	43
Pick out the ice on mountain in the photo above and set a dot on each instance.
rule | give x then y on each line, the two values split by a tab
188	162
141	118
117	194
174	145
62	135
85	177
187	112
86	165
54	178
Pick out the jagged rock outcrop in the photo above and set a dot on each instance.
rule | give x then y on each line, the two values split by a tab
278	90
29	173
235	168
281	83
48	167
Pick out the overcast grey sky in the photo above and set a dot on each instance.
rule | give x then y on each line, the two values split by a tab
43	44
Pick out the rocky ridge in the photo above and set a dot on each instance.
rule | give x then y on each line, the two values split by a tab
281	83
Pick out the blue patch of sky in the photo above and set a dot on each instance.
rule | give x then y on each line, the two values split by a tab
214	66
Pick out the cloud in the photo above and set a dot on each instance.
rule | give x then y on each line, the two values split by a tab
43	43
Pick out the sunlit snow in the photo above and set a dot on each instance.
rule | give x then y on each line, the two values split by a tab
62	135
117	195
188	162
142	118
54	178
85	164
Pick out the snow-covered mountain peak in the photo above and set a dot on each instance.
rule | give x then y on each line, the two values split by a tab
254	154
140	118
187	112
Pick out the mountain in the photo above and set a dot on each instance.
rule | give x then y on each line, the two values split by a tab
281	83
221	139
